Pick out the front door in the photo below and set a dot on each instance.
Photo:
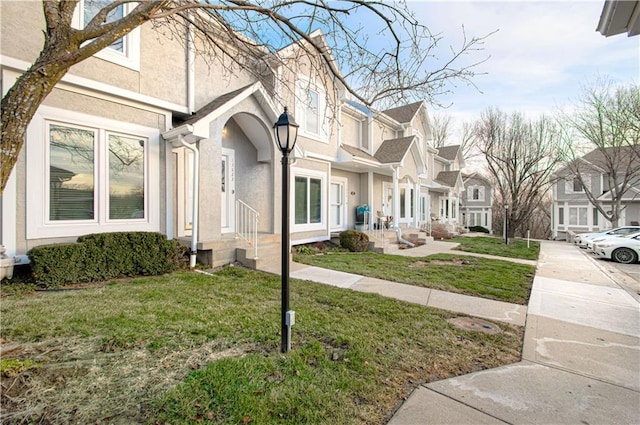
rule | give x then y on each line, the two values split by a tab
227	192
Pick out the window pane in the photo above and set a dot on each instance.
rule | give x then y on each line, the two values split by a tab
560	215
312	112
91	9
403	207
577	185
582	216
301	200
126	177
71	177
315	198
573	216
595	217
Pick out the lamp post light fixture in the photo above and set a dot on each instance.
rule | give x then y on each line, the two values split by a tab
506	224
286	132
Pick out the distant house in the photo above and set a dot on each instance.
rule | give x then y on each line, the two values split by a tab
477	202
572	210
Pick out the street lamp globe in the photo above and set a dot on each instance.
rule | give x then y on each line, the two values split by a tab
286	131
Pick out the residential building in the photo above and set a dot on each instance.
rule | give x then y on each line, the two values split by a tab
572	211
477	202
150	135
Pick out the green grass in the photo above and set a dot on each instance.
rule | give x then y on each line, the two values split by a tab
517	248
481	277
354	356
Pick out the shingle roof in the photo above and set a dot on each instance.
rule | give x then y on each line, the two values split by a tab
358	153
448	178
598	157
214	104
449	152
404	113
394	150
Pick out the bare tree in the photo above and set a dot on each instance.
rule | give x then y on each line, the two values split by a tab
441	129
607	118
245	34
521	157
467	140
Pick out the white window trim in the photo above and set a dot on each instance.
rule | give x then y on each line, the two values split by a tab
130	57
38	224
345	207
304	83
307	227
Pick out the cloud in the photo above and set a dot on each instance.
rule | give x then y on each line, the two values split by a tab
540	57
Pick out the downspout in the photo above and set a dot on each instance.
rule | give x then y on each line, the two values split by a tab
195	200
396	209
191	70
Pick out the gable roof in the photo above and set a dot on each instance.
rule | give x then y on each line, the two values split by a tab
215	104
448	178
394	150
449	152
358	153
404	113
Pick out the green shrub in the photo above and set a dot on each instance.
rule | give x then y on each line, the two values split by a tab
104	256
479	229
354	240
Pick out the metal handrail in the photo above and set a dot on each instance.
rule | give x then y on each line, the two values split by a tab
247	225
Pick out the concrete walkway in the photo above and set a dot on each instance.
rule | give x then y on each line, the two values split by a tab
479	307
581	357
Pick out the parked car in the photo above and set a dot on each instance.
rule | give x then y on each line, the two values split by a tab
591	243
582	238
624	250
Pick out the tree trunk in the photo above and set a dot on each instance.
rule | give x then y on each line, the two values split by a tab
18	108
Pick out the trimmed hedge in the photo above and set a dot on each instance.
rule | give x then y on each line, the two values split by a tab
479	229
104	256
354	240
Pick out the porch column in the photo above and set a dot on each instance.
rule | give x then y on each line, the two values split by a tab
396	198
370	196
450	209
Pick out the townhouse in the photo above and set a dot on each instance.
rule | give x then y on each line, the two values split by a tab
152	135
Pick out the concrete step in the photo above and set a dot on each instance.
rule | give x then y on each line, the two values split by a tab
267	253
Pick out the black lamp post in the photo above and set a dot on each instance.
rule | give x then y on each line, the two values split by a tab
506	224
286	131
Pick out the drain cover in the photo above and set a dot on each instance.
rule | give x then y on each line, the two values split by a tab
474	324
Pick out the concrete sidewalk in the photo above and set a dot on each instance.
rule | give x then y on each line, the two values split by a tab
581	357
479	307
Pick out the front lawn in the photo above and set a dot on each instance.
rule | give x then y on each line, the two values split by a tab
517	248
481	277
191	348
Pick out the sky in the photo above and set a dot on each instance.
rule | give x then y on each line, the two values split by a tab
540	58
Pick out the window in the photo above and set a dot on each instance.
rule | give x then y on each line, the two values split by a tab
475	193
577	216
595	217
125	51
561	215
308	202
311	109
72	166
577	185
95	175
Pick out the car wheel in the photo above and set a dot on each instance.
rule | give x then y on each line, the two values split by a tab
624	256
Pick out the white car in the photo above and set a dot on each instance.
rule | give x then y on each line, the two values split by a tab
624	250
582	238
591	243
